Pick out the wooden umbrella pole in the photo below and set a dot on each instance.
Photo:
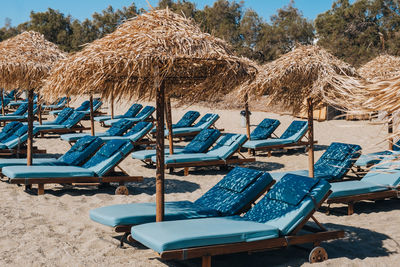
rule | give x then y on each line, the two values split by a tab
390	130
168	119
310	137
112	106
30	128
160	172
246	110
91	116
2	103
39	109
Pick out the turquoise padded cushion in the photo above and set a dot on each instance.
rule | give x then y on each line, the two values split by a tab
383	177
183	130
202	141
284	216
295	130
139	213
264	129
133	110
73	119
277	176
351	188
120	127
139	128
182	158
229	202
9	129
145	112
372	158
238	179
45	172
62	116
163	236
205	122
84	106
148	153
253	144
227	145
187	119
81	150
292	190
22	162
21	109
12	117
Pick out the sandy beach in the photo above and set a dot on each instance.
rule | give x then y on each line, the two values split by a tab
55	229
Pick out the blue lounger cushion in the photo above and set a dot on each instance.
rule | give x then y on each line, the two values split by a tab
292	135
182	158
62	116
46	172
135	134
269	218
374	158
264	129
148	153
144	114
9	129
205	122
200	232
22	162
132	112
18	137
351	188
186	121
228	197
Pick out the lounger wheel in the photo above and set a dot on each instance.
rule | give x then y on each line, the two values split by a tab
318	254
122	190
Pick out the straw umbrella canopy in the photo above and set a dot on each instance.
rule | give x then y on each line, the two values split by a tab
152	55
25	60
299	80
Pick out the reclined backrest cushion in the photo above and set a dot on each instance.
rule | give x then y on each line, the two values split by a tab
264	129
137	128
187	119
336	160
73	119
81	150
284	210
108	155
119	127
227	144
235	191
202	141
9	129
6	101
63	115
295	130
207	120
133	110
18	133
84	106
21	109
145	112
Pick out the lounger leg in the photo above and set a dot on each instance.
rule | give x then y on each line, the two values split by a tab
40	189
121	244
206	261
269	153
186	171
28	187
350	208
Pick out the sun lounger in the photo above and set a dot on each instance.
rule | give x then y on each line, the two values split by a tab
69	125
117	129
186	121
11	95
136	135
207	121
60	104
9	129
274	222
368	160
98	169
379	183
333	165
15	144
61	117
233	195
291	137
21	114
222	154
84	107
199	144
15	104
131	113
144	115
264	129
76	156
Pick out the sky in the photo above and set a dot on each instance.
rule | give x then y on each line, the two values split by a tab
18	10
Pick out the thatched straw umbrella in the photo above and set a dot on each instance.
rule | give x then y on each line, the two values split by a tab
152	55
24	61
297	81
382	67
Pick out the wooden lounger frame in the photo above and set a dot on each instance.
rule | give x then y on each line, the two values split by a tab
20	151
111	176
351	200
316	236
126	229
231	160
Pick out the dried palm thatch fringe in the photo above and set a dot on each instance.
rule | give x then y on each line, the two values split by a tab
381	67
26	59
307	71
194	65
